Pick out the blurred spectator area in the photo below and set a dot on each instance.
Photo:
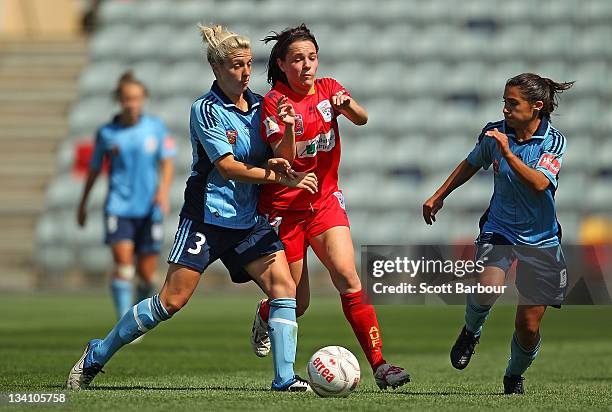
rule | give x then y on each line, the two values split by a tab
430	73
38	18
42	54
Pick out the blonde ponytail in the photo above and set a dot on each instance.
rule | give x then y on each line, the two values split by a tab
221	42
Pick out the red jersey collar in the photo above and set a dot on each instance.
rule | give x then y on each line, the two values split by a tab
283	88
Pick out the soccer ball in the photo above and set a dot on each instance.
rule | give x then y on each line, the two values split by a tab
333	371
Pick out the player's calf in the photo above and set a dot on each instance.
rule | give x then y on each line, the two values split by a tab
136	322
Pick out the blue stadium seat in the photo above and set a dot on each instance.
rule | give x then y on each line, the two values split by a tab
100	79
86	116
112	42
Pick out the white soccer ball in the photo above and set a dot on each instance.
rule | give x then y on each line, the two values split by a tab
333	371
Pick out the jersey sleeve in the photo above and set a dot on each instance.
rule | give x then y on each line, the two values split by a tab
481	155
552	156
167	146
209	130
99	150
271	129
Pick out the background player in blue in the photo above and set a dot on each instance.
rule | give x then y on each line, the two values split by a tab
520	224
219	218
140	151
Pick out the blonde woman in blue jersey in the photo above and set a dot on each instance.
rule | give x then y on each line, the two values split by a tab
526	152
140	150
219	219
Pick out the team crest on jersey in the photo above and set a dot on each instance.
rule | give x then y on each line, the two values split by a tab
151	144
271	126
231	136
325	109
299	125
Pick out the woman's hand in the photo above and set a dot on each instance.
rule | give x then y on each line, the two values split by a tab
285	111
301	180
340	102
280	166
501	140
431	207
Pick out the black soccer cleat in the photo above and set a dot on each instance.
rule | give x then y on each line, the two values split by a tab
513	385
463	349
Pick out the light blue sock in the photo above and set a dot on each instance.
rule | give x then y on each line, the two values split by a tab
283	328
144	290
475	315
122	290
520	359
142	317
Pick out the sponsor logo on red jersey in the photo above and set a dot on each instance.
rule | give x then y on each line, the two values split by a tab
550	163
324	142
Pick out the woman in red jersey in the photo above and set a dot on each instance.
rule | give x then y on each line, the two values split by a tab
299	122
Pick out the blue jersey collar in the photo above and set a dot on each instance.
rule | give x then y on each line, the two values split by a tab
249	96
116	121
540	133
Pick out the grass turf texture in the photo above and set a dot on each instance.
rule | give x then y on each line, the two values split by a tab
201	359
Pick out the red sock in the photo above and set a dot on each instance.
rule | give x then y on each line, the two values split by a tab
264	310
360	314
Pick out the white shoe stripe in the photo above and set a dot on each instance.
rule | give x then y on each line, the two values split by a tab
285	321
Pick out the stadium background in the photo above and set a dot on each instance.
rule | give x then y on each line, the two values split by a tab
430	73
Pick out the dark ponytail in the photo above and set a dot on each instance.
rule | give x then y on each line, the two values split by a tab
128	78
283	40
536	88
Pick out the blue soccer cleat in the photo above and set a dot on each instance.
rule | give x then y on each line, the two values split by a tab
83	372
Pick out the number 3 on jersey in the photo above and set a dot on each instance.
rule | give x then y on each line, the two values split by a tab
198	244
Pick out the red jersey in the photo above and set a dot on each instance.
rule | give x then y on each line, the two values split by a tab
317	143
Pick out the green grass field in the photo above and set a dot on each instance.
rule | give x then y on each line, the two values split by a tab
201	359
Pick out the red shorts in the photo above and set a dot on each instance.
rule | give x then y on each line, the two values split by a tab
296	228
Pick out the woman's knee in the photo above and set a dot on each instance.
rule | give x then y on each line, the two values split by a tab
174	303
527	326
346	279
282	287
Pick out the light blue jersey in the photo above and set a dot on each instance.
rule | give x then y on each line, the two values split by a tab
134	153
219	128
521	214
